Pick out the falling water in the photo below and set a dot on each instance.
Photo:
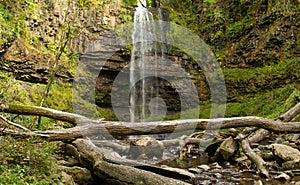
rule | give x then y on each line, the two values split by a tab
144	45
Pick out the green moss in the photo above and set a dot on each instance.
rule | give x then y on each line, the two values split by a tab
237	28
289	67
106	113
269	104
11	90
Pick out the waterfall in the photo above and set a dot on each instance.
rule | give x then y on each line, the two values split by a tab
144	46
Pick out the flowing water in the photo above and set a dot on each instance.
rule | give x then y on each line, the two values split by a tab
144	44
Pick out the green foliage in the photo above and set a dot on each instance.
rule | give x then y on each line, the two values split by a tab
60	96
11	90
28	162
289	67
237	28
129	3
85	4
269	104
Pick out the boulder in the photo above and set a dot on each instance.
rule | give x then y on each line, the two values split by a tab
146	146
286	153
227	149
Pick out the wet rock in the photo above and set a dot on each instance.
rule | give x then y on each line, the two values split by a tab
217	175
259	182
267	155
283	177
254	145
67	179
204	167
240	159
227	149
146	146
180	171
215	165
279	140
195	170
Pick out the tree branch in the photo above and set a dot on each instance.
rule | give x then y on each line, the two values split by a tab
46	112
260	163
13	124
290	114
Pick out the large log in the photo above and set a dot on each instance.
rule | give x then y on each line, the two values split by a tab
286	117
115	173
107	129
88	127
46	112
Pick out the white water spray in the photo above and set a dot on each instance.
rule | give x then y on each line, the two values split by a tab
144	40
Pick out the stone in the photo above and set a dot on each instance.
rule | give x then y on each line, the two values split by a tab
259	182
147	146
67	179
217	175
283	177
181	172
204	167
215	165
195	170
291	165
286	153
227	149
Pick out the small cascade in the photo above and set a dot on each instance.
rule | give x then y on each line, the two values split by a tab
145	50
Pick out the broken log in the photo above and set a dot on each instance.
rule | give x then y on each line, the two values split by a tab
290	114
113	172
285	117
260	163
46	112
88	127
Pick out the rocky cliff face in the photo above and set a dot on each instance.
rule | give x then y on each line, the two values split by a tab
252	39
49	24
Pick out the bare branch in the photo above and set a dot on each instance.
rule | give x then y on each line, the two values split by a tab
46	112
290	114
13	124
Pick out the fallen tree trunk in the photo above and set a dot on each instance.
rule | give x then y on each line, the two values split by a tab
125	128
116	173
89	127
108	129
46	112
260	163
286	117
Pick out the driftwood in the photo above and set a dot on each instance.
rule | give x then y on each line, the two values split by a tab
290	114
285	117
108	129
260	163
89	127
46	112
114	170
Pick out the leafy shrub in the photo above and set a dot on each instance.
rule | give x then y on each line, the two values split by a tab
28	161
